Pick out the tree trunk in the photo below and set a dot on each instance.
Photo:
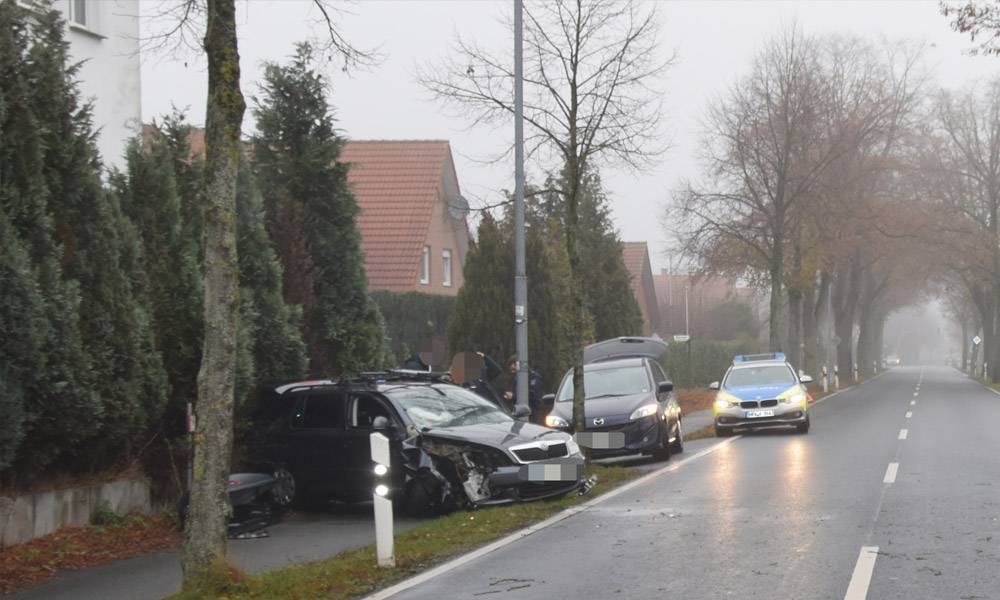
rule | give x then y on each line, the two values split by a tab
810	331
205	532
794	350
965	344
846	290
776	274
574	172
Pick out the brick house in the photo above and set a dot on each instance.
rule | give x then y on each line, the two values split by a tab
636	255
414	232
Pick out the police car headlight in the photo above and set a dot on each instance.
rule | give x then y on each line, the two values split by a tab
797	398
554	421
724	400
643	411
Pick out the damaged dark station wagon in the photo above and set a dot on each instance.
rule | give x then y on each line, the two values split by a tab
450	447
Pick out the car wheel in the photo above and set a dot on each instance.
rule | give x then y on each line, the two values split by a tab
284	491
663	452
723	431
803	427
678	446
419	499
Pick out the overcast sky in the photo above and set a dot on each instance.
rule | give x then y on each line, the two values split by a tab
714	42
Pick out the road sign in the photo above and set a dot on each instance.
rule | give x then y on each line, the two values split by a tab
976	340
682	338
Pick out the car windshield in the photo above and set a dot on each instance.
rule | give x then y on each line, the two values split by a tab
430	406
763	375
603	383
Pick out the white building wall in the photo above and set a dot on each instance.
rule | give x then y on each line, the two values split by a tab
108	43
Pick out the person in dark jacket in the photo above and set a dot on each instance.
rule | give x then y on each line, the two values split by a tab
415	363
535	390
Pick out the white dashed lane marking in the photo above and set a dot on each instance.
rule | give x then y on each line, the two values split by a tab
890	473
903	433
862	576
909	414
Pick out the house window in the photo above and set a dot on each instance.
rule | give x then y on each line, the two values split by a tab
78	12
425	266
446	268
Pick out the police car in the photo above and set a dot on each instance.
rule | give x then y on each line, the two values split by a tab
761	390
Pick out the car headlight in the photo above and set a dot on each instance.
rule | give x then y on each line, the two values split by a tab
554	421
643	411
572	448
725	400
796	398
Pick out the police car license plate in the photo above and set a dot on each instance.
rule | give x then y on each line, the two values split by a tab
755	414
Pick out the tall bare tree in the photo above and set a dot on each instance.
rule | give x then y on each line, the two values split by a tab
205	531
807	129
589	68
978	18
204	546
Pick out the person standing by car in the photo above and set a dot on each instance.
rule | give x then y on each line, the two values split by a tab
535	390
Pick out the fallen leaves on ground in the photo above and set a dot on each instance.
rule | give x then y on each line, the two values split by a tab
695	399
79	547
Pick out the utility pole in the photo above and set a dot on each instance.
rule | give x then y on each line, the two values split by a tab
520	279
687	331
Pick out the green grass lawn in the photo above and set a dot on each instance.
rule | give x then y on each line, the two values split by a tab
354	572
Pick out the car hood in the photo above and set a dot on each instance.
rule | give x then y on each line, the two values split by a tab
605	407
759	392
497	435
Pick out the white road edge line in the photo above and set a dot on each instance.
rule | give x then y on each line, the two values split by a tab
904	433
862	576
890	473
909	414
522	533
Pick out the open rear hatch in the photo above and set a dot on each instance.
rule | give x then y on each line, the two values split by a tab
624	347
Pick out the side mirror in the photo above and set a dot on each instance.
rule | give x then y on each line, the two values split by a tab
714	385
381	423
521	412
805	379
665	387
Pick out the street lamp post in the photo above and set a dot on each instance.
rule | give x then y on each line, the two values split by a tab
520	278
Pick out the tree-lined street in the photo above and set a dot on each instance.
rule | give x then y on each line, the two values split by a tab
778	515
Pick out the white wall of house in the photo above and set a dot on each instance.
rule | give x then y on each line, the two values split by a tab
105	35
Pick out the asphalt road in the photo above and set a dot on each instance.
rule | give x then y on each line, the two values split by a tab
781	515
300	537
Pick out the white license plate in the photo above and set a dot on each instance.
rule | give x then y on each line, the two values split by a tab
756	414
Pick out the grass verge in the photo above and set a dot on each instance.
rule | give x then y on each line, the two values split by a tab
353	573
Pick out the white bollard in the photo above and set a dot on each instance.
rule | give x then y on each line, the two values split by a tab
855	372
836	378
874	367
826	385
383	505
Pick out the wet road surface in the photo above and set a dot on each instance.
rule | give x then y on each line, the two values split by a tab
857	508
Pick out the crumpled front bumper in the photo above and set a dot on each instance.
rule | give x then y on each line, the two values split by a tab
535	481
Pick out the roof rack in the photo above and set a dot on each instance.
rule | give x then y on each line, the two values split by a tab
370	378
741	358
399	374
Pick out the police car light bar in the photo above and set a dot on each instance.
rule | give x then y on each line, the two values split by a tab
756	357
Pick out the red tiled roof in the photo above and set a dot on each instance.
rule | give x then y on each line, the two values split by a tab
634	254
396	183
